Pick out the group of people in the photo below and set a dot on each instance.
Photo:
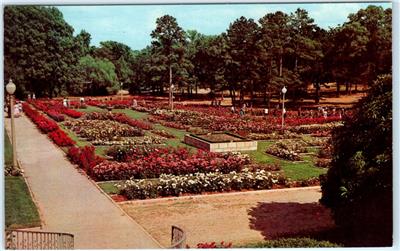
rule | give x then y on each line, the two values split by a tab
242	110
17	109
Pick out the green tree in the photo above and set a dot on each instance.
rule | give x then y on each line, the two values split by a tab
168	45
306	50
242	40
120	55
39	47
98	76
358	186
276	41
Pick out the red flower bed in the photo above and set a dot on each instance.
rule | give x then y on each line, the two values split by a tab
44	124
119	117
84	157
213	245
168	161
55	115
122	118
72	113
61	138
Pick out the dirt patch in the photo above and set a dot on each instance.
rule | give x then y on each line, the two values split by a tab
238	218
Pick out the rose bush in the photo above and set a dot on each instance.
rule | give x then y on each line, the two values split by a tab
103	130
61	138
173	185
287	149
44	124
84	157
119	117
169	161
163	133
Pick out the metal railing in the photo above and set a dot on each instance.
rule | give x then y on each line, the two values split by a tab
178	237
22	239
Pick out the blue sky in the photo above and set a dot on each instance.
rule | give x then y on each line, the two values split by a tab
132	24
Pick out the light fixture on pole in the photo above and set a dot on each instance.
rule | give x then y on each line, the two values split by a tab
10	88
284	90
171	88
121	89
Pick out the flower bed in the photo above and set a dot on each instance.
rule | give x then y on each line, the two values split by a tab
172	185
287	150
119	117
308	129
84	157
163	133
314	141
44	124
136	141
55	115
102	130
274	135
61	138
72	113
169	161
54	108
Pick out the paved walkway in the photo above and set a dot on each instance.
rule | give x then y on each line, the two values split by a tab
68	201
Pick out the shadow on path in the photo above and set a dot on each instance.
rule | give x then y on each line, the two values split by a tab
280	220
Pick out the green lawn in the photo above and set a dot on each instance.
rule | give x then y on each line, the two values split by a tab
293	170
8	154
72	135
20	211
109	186
179	135
133	114
91	109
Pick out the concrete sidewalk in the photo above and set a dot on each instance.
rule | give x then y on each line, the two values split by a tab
68	201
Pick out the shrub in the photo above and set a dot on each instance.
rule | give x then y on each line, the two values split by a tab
173	185
84	157
61	138
222	244
292	243
358	186
169	161
55	115
44	124
72	113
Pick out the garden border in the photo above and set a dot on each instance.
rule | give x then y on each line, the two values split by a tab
194	197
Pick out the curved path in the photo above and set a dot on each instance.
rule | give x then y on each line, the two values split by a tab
68	201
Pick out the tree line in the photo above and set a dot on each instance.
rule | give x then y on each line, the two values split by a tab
250	59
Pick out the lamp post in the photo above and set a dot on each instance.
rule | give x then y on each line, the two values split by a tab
284	90
171	96
121	90
10	88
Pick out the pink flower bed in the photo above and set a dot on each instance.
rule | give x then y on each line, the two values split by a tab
169	161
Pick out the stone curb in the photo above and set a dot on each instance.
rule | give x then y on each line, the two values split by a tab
194	197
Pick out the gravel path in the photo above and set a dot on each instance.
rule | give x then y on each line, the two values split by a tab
68	201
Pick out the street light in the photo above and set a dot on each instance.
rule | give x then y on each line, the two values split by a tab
121	89
10	88
284	90
171	96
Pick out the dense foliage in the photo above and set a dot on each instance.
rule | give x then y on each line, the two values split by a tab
358	186
43	56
